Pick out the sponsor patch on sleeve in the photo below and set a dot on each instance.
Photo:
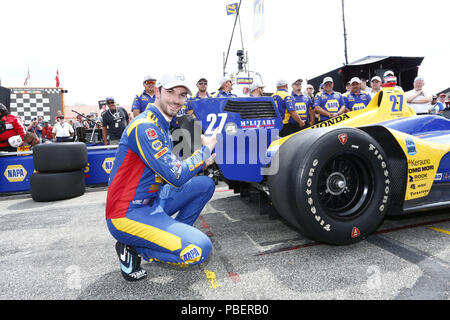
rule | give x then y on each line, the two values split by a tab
161	153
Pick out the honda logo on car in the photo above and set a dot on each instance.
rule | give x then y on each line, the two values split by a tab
15	173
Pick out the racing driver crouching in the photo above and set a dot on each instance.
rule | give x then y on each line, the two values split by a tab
148	185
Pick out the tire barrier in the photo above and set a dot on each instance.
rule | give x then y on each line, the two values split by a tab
58	171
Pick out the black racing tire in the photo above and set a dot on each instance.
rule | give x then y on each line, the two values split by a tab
57	186
60	157
332	184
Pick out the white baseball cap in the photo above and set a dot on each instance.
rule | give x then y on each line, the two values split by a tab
376	78
255	85
223	80
171	80
388	73
281	82
355	79
327	79
146	78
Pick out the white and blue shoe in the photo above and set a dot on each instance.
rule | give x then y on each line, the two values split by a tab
130	262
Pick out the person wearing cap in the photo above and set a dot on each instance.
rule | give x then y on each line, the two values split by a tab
148	185
10	126
35	127
375	86
348	87
328	103
47	135
256	89
285	104
187	109
62	131
442	98
114	121
356	99
417	98
435	108
302	104
225	87
141	100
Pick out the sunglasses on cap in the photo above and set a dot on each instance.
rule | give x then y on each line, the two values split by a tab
150	82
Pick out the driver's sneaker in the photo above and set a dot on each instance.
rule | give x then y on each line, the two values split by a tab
130	262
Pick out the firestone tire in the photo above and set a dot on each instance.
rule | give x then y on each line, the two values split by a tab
337	187
60	157
57	186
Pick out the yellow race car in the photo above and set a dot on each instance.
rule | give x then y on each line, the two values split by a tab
336	180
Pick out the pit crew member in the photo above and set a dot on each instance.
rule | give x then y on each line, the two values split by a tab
285	104
148	185
356	99
302	104
141	101
328	103
225	87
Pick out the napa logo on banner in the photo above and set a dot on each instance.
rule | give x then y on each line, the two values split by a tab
258	18
232	9
108	164
15	173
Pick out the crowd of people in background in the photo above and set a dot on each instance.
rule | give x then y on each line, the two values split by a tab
298	108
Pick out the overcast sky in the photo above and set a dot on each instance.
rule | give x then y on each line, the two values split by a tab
105	48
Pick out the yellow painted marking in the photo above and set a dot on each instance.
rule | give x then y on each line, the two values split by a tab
212	279
439	230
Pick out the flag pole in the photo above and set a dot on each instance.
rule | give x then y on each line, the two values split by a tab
231	40
345	34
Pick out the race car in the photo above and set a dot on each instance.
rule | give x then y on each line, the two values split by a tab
336	180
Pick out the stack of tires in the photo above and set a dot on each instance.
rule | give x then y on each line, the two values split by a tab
59	171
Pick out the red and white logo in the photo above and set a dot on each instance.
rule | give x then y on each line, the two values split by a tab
151	133
355	232
343	138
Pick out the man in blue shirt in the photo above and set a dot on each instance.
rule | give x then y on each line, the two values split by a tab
147	96
328	103
302	104
285	104
356	99
225	87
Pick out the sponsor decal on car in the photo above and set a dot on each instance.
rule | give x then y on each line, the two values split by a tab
410	146
258	123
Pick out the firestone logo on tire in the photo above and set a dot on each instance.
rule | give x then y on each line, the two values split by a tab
343	138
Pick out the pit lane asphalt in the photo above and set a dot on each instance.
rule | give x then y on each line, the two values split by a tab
63	250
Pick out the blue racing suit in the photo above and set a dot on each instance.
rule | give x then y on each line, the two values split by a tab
141	101
148	185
